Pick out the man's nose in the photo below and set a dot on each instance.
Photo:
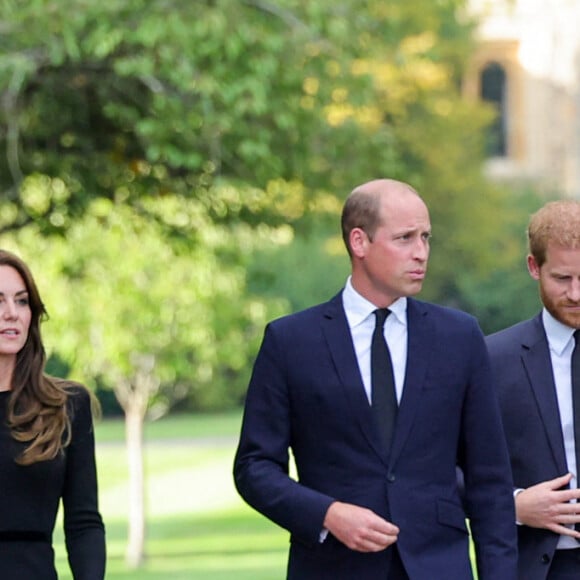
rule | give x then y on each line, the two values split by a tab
422	250
574	293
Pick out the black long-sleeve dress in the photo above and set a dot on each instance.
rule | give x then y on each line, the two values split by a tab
29	501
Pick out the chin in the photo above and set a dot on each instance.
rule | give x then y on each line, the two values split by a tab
415	289
571	320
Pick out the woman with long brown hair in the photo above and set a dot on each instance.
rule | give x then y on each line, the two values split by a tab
47	448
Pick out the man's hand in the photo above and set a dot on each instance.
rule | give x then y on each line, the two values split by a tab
546	505
359	528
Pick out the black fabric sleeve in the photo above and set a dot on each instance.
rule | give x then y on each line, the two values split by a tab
83	525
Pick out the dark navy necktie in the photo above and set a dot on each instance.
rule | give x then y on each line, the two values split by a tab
384	399
575	367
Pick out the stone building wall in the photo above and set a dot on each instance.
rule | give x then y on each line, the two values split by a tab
535	45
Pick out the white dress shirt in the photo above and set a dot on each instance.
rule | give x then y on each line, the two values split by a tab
361	321
561	343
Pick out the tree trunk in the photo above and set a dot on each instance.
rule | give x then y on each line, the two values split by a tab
134	395
136	533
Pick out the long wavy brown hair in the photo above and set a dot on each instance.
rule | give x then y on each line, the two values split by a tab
37	408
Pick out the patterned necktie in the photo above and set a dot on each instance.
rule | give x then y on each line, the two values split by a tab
384	401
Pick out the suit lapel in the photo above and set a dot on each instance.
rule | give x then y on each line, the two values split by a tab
339	340
538	365
420	337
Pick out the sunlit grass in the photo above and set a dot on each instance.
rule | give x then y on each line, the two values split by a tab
223	545
198	527
174	427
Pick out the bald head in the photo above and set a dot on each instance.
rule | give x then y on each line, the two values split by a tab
362	208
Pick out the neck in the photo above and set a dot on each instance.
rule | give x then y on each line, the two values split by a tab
6	371
379	299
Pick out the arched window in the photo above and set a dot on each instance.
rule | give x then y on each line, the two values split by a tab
493	90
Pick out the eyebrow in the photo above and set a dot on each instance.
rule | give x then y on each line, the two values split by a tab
17	293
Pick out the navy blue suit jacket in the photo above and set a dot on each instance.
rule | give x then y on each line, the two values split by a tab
522	369
306	393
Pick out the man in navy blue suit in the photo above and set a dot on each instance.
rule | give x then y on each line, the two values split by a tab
376	495
533	366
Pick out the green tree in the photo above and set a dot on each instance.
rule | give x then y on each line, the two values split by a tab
186	134
155	318
262	112
504	293
137	98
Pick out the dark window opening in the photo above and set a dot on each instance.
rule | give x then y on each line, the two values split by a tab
494	91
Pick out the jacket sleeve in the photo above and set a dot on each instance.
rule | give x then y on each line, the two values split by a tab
488	484
261	466
83	525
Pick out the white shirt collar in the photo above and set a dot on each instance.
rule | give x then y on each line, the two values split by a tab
559	335
358	308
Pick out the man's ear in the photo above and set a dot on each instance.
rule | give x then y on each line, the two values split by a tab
359	242
533	267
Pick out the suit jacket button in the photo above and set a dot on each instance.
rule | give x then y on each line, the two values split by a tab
391	477
545	559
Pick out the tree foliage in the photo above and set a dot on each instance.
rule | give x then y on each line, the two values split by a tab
156	318
504	293
133	98
166	166
126	300
260	115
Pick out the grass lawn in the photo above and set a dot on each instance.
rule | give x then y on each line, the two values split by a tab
198	527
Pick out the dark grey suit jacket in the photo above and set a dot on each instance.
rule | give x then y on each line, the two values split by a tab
522	369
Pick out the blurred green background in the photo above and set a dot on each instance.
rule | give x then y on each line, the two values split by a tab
173	172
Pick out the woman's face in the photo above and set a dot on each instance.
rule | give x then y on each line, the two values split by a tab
15	312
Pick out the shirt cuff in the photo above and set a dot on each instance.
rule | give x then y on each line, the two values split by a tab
517	491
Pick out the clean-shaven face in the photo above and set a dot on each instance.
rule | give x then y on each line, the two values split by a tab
395	260
15	312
